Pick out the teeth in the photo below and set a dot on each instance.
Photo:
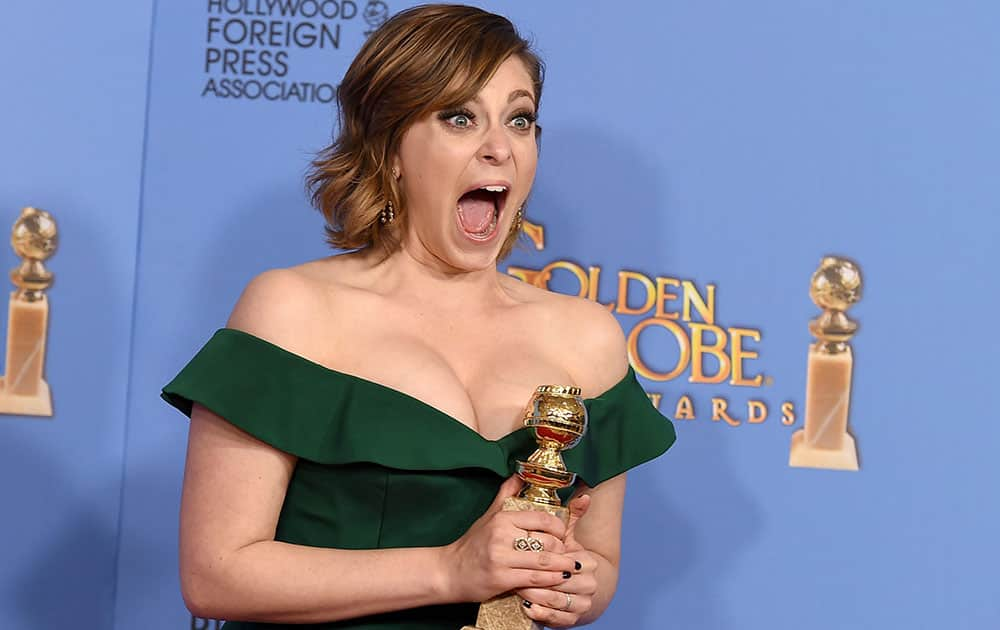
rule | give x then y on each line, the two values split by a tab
496	189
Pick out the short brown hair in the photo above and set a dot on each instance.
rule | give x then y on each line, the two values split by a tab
423	59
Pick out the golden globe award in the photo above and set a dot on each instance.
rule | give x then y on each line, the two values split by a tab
557	418
23	390
825	442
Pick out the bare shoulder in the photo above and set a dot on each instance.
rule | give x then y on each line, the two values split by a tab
283	306
587	332
600	344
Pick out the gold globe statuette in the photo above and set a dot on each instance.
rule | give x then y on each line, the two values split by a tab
824	442
23	390
557	419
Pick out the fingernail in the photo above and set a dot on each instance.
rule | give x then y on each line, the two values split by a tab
567	575
527	604
578	566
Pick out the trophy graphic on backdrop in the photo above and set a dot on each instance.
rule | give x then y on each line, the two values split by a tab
23	391
825	442
557	419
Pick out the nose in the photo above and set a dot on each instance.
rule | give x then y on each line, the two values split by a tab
495	148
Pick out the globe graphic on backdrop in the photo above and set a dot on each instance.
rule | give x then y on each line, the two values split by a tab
376	13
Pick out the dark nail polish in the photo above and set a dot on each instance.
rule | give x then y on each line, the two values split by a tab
567	575
578	566
527	604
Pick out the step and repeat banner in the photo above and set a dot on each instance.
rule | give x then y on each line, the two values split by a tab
726	177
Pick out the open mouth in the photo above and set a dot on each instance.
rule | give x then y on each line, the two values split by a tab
479	210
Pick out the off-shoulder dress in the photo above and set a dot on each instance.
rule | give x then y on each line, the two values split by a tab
378	468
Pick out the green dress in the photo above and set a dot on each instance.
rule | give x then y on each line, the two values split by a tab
378	468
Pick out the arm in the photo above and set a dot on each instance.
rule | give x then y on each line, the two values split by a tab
600	535
234	487
231	566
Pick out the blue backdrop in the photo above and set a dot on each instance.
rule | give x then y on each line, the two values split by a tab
727	144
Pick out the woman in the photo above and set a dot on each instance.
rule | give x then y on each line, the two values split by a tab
353	425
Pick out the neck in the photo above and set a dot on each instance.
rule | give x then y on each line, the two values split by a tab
415	273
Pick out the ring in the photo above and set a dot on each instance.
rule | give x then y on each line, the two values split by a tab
569	602
527	543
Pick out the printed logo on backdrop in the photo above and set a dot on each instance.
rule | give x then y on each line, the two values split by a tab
253	48
677	335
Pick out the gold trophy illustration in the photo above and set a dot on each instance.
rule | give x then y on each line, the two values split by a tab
557	419
23	390
825	442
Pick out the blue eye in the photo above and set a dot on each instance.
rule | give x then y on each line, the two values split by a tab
457	119
523	121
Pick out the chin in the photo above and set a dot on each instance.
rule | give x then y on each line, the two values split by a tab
480	260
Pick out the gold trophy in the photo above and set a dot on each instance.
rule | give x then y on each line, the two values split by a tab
825	442
557	418
23	391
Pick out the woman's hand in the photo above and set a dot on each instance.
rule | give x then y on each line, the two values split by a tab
484	563
564	604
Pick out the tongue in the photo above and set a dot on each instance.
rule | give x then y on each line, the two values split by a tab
476	211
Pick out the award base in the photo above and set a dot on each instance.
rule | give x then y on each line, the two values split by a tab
38	405
505	612
23	391
805	455
825	442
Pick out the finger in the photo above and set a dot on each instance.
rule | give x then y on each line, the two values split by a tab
549	542
550	617
577	508
507	489
586	560
544	522
540	595
532	578
541	561
555	599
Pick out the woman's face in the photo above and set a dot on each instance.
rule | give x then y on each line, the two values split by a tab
465	172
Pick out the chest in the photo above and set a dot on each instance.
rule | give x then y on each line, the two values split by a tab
479	371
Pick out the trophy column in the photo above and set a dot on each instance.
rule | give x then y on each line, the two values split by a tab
557	418
23	390
825	442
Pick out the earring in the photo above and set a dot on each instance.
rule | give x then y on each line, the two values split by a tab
395	173
388	214
518	218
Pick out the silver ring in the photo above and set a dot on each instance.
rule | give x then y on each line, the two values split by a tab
527	543
569	602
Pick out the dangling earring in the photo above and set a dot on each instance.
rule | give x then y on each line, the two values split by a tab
517	219
388	214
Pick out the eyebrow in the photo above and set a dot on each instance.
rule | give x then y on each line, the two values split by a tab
516	94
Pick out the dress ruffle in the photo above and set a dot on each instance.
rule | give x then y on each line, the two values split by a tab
330	417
